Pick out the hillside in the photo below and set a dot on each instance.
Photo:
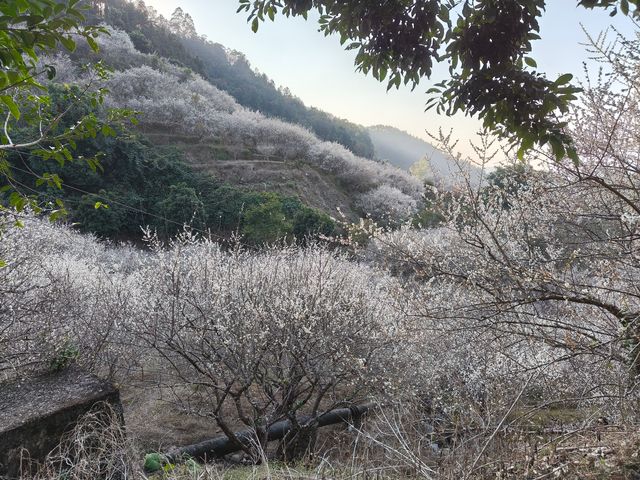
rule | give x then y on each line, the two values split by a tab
201	156
176	302
176	40
262	173
198	156
184	103
402	150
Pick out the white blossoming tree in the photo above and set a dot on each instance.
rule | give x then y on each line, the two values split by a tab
286	334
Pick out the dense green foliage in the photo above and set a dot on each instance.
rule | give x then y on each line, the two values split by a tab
147	185
29	28
485	42
429	215
151	33
507	182
141	184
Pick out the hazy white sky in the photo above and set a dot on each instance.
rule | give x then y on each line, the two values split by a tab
315	68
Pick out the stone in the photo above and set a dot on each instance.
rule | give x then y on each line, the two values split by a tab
36	412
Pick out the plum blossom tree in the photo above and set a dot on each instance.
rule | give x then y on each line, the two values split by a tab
64	298
168	96
387	205
549	266
278	335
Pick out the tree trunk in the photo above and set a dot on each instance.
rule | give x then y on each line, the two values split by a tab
298	442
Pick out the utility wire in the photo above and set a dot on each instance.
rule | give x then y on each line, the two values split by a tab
124	205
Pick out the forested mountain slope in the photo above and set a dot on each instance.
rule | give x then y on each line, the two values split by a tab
177	40
169	96
199	157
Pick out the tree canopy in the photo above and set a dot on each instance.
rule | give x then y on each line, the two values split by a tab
33	119
28	28
486	44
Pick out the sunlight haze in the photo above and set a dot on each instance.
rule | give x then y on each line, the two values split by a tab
294	54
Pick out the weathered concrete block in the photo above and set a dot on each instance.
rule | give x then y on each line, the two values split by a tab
35	413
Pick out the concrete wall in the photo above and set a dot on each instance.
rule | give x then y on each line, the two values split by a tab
35	413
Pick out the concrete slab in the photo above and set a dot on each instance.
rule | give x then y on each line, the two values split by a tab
35	413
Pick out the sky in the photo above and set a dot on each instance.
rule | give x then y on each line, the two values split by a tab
294	54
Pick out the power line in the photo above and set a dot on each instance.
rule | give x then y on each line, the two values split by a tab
124	205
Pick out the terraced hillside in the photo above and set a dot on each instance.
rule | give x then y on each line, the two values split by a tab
248	168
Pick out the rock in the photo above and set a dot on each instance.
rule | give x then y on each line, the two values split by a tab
36	412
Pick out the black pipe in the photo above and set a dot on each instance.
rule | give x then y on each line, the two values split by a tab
220	446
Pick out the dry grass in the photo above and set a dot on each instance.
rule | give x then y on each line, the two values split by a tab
96	448
155	423
388	446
